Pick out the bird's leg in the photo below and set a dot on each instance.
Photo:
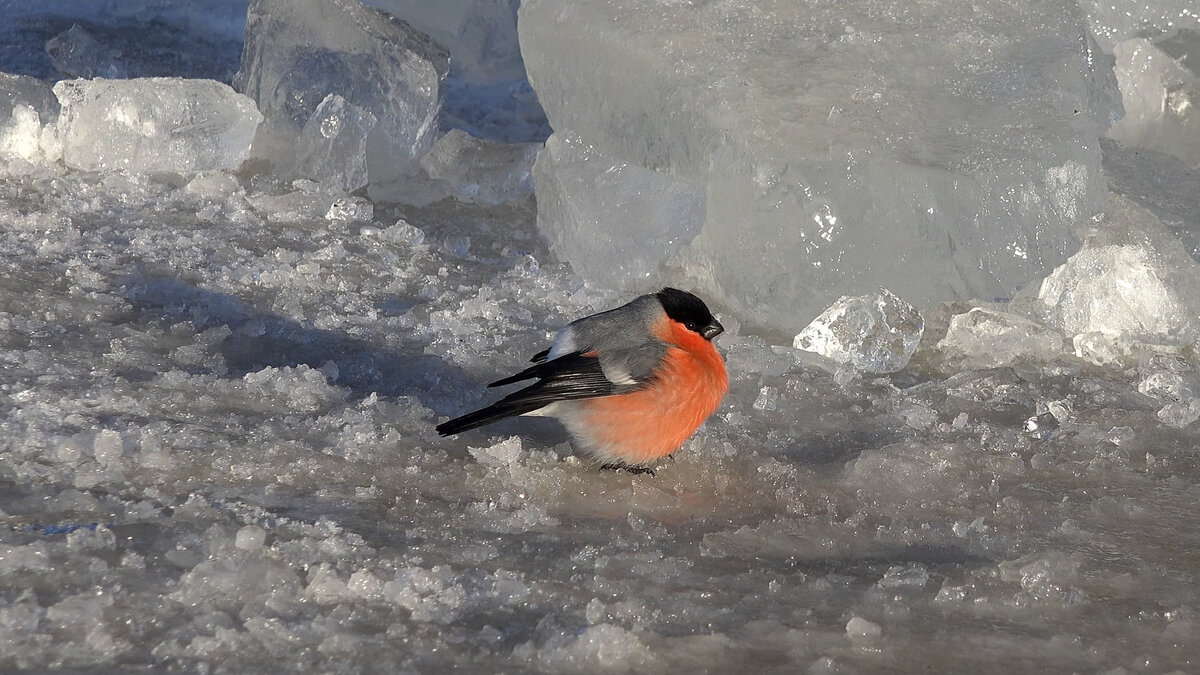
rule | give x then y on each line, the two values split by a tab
624	467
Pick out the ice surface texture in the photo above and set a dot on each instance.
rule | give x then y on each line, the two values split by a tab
297	54
154	124
941	151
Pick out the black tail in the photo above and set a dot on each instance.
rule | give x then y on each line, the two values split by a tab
493	413
567	378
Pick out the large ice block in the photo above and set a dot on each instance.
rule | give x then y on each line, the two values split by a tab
28	111
939	149
154	124
1132	279
296	54
1160	91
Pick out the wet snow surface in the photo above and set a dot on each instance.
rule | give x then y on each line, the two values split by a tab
217	400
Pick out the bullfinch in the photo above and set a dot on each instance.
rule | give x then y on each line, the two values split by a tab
630	384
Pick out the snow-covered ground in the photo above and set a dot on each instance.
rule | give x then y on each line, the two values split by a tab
218	388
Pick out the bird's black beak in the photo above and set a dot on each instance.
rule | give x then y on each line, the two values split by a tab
712	330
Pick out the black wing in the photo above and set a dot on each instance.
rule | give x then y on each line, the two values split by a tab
569	377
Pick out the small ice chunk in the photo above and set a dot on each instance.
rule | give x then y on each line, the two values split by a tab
332	147
250	538
325	585
873	333
297	54
860	630
917	416
505	453
908	576
1046	577
229	582
1181	414
108	446
987	338
215	185
1161	95
365	585
1179	392
601	647
154	124
615	222
404	232
1170	386
74	52
301	388
352	210
1098	349
767	399
1121	435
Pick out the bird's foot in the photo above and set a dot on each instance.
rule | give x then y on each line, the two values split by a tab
630	469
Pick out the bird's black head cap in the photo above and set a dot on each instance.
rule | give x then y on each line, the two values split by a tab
690	311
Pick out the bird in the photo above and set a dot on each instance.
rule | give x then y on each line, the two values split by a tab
630	384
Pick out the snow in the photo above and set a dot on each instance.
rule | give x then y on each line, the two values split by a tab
219	379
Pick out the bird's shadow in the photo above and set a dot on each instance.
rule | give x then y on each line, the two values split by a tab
259	340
